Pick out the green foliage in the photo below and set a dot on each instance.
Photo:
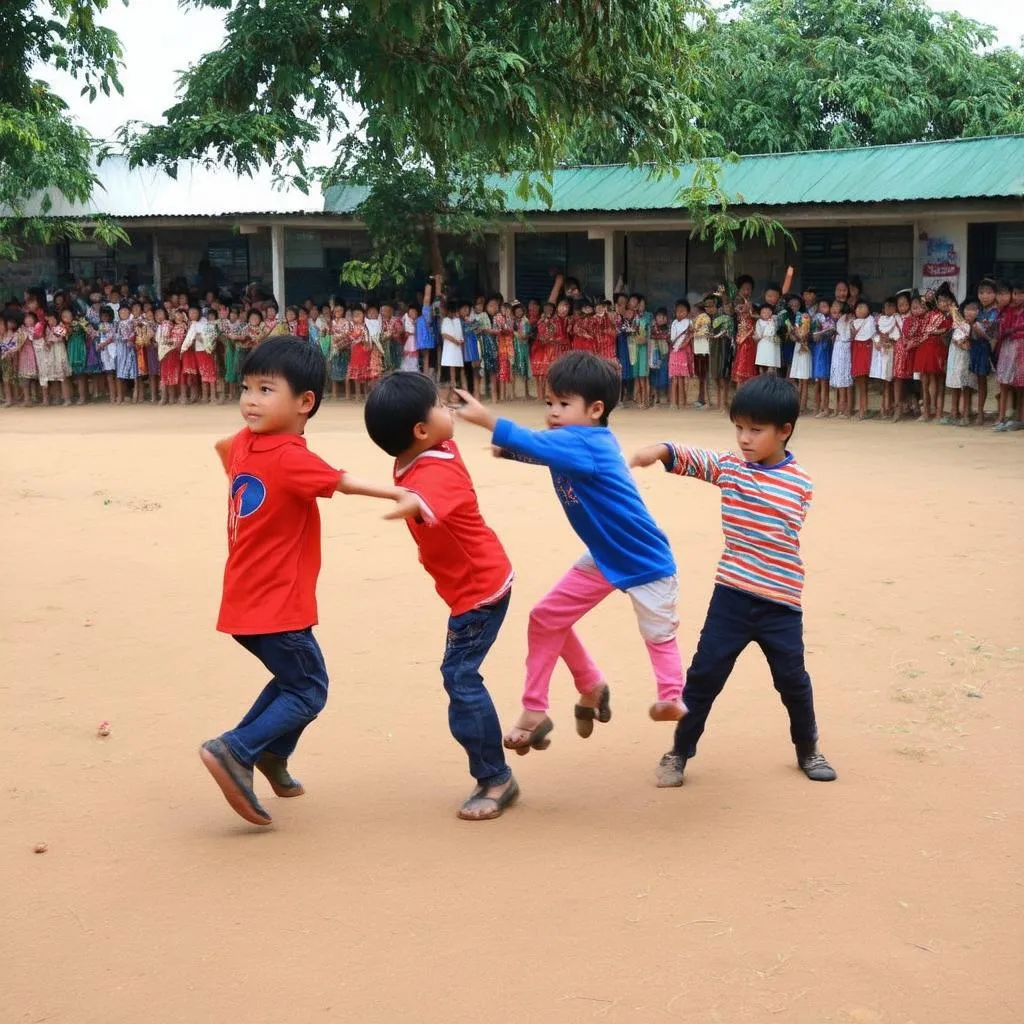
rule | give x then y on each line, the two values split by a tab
444	92
41	149
829	74
708	206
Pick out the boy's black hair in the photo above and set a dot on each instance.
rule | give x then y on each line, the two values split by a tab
452	307
393	408
772	286
302	365
592	378
767	400
661	311
682	302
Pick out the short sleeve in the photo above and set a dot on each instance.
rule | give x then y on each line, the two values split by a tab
307	475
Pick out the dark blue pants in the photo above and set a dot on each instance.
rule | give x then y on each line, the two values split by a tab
291	700
471	715
734	620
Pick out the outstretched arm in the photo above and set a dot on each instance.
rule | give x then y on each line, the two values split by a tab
407	505
700	463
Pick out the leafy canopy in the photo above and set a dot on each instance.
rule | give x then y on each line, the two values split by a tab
829	74
420	99
41	148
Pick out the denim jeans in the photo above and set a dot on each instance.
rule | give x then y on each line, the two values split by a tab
471	715
736	619
289	702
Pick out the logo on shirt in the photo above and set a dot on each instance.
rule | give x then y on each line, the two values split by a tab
565	492
248	493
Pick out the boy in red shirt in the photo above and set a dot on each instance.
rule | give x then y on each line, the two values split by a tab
471	571
269	598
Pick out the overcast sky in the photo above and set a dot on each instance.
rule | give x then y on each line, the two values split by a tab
159	40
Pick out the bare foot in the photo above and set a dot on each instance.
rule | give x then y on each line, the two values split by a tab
668	710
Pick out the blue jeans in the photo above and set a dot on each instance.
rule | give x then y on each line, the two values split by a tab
289	702
471	715
736	619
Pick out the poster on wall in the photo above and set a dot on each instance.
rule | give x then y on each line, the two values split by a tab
940	262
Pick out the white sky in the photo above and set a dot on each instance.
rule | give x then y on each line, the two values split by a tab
159	40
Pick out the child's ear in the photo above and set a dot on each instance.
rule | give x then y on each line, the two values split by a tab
420	431
596	411
306	402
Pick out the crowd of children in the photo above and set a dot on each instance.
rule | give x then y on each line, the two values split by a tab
926	355
269	590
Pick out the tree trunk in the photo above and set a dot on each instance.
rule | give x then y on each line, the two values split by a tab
433	241
729	266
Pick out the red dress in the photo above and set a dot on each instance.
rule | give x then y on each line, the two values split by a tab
506	346
860	353
543	350
930	355
583	333
903	353
563	335
359	358
743	366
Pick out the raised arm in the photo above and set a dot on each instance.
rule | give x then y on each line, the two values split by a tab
700	463
556	288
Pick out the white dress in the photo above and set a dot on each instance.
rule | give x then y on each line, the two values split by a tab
451	353
958	360
842	370
881	354
800	368
768	351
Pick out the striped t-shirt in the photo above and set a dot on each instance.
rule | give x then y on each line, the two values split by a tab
763	508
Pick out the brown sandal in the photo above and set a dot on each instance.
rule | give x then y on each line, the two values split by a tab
536	738
585	715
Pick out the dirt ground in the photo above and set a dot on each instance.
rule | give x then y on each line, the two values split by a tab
891	896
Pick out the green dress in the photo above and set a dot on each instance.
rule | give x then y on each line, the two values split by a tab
76	349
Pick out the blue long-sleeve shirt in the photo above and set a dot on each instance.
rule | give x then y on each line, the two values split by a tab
600	498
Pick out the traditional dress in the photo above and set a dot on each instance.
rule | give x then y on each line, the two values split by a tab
521	349
77	349
743	365
341	349
823	329
802	365
983	334
930	355
680	360
769	352
958	360
359	352
27	368
542	352
841	375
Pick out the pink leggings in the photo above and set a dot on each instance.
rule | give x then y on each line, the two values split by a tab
550	635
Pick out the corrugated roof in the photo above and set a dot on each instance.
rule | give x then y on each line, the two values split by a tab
196	192
955	169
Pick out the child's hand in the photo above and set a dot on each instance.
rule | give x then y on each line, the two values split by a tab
497	452
649	456
473	412
407	507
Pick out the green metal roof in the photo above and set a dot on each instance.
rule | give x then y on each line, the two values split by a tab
986	168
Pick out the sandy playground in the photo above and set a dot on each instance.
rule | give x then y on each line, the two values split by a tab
892	896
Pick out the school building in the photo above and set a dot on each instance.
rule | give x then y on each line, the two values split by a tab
894	215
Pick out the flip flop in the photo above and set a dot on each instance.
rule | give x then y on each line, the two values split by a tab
506	799
585	716
536	738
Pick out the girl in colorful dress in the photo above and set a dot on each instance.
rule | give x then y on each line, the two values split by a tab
425	341
882	354
563	335
374	331
206	356
149	362
723	347
660	354
680	359
865	327
487	338
226	344
359	354
960	382
802	365
521	350
106	336
930	354
623	343
543	352
93	363
410	354
823	330
768	358
640	354
606	331
907	323
189	366
341	353
743	365
983	334
28	371
505	334
126	360
718	354
841	376
9	361
75	330
1010	340
392	336
170	360
472	348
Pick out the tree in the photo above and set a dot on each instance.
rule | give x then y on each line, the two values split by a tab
41	148
828	74
709	208
446	92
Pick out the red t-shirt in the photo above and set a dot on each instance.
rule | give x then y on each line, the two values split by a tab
273	533
461	552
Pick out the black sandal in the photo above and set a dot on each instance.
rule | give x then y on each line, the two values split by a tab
506	799
585	716
536	738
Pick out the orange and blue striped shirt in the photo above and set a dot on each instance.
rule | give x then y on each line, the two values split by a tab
763	508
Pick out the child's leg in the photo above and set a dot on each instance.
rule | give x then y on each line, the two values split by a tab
779	634
471	715
550	636
655	608
724	635
289	702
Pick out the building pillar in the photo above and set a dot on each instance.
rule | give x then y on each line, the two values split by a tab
609	264
507	263
157	282
277	264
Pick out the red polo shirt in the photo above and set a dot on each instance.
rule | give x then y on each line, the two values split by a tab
273	533
459	550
